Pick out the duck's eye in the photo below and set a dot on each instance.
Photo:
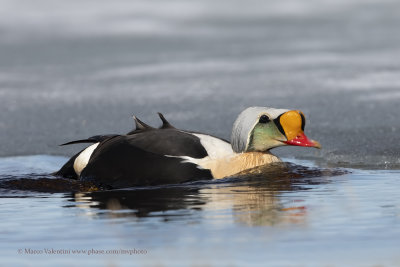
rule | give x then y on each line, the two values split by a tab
264	119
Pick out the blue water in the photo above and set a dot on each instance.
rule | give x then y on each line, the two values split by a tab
310	217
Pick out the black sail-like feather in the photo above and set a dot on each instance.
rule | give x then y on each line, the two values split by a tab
166	124
140	126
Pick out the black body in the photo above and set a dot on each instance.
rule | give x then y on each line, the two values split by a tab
142	157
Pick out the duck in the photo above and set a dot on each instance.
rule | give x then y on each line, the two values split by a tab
167	155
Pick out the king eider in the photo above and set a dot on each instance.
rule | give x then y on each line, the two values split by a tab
165	155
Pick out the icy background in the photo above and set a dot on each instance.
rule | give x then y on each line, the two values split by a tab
73	69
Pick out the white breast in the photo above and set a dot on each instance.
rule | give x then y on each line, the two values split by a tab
82	160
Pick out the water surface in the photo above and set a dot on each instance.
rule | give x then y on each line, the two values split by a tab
303	216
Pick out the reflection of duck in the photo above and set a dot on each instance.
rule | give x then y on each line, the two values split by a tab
255	200
259	200
149	156
255	206
141	203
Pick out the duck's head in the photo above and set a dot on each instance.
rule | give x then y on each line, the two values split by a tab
260	129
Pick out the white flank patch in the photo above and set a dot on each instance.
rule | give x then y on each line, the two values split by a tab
215	147
82	160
